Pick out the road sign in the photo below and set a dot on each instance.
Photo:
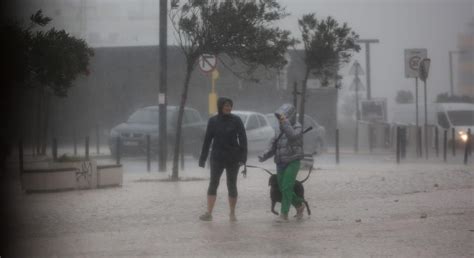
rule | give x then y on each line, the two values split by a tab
413	57
207	62
374	110
357	85
424	69
356	69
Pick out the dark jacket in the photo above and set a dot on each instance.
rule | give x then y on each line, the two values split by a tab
227	133
289	146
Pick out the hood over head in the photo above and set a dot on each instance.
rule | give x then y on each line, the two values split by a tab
288	110
220	104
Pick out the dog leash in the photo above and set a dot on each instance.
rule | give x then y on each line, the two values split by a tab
244	172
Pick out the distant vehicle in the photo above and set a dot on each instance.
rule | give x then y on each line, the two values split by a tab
314	141
258	129
459	116
445	116
144	122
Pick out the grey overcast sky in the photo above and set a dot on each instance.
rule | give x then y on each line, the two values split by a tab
398	24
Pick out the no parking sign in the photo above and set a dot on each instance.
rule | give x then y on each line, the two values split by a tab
413	57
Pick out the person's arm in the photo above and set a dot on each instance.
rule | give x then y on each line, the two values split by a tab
270	151
206	144
291	133
242	135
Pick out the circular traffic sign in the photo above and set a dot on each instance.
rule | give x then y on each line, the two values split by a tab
207	62
414	62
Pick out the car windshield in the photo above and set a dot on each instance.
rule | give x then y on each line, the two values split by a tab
144	116
461	117
273	121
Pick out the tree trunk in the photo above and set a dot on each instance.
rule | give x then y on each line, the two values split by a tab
38	121
184	96
47	113
303	97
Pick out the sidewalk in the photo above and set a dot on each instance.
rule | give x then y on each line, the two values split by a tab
359	209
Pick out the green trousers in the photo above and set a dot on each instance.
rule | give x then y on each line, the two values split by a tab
286	182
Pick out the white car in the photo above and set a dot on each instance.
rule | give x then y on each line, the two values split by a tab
258	129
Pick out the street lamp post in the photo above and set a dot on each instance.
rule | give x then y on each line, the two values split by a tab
162	141
367	43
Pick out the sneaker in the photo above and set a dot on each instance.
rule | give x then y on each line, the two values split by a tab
282	219
232	218
206	217
300	211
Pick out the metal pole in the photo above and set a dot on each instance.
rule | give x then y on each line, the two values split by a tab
118	150
397	149
419	141
418	149
337	146
437	141
403	142
162	98
97	138
445	144
367	43
468	146
74	139
451	72
453	135
356	144
148	153
87	147
371	140
55	149
367	68
426	122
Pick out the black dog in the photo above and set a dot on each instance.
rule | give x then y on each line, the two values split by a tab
275	194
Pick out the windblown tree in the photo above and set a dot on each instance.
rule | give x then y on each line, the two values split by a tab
327	46
241	31
46	62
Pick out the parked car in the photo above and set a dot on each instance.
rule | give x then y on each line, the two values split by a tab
144	122
313	141
258	129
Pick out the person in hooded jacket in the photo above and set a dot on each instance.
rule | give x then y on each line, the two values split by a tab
287	149
229	151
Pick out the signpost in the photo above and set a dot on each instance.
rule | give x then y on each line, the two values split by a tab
207	64
412	59
356	85
374	110
423	71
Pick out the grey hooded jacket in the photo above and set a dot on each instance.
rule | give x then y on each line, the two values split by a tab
289	146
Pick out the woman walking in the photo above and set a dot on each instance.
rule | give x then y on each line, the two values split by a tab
229	151
287	147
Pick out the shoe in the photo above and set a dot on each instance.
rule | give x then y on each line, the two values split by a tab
206	217
282	219
232	218
300	211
